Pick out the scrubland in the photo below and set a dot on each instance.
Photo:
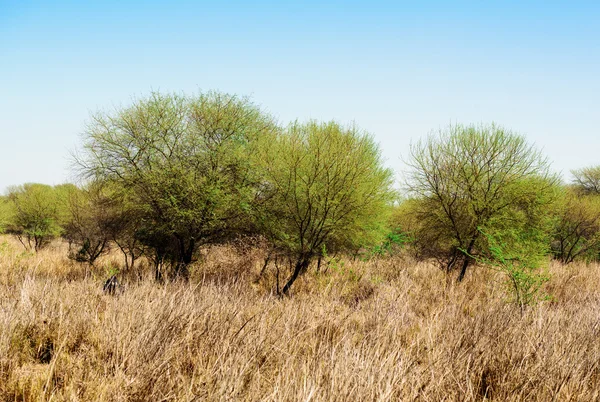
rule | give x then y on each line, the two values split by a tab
386	329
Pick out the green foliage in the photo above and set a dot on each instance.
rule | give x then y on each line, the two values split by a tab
468	177
337	265
421	243
324	186
522	257
182	164
395	239
576	227
393	242
38	212
6	213
111	270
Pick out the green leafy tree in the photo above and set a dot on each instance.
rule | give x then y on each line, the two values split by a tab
576	227
182	164
324	188
522	257
6	213
471	177
38	211
394	241
421	243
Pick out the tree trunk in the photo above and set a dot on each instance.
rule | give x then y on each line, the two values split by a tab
467	261
452	261
157	274
186	254
463	269
300	267
265	265
181	271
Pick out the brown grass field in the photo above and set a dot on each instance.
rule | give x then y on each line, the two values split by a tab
365	331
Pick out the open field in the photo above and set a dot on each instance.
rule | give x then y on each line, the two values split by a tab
380	330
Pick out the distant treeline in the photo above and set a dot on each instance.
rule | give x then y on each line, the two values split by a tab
172	173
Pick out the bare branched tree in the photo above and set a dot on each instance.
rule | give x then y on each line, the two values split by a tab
587	180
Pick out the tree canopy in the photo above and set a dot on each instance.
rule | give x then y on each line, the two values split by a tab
324	187
182	164
37	213
469	178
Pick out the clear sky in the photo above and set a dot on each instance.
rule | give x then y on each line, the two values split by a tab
398	69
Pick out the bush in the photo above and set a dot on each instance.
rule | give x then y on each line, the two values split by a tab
39	211
521	257
6	214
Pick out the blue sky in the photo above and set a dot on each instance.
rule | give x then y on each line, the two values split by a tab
397	69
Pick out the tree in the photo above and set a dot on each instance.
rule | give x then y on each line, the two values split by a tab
182	164
523	261
324	187
6	213
424	244
128	226
469	178
99	219
92	223
38	212
587	180
577	227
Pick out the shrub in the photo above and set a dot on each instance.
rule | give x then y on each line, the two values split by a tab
38	211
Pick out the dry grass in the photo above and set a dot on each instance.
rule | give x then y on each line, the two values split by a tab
391	330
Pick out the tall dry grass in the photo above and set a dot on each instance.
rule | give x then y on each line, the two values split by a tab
385	330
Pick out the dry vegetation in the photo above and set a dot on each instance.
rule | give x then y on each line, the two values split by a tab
384	330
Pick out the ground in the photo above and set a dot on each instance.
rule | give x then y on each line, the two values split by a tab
388	329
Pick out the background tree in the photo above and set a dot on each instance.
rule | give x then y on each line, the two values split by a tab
39	211
577	227
425	244
6	213
183	165
92	224
324	187
128	225
587	180
469	178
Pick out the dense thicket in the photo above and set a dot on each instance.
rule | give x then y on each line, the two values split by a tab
204	169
